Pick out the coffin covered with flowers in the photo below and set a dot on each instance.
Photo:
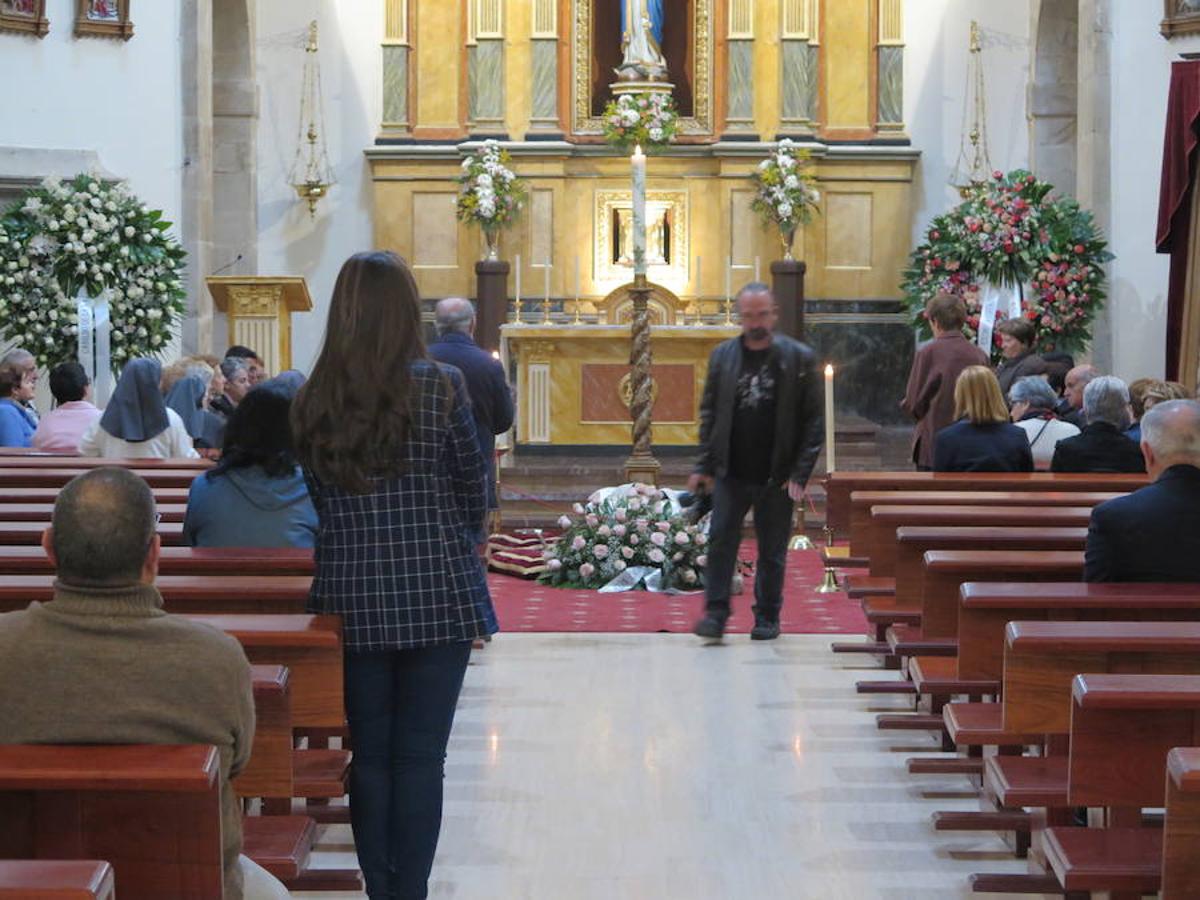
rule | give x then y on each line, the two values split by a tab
626	537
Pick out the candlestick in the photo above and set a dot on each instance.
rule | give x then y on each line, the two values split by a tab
729	290
757	270
829	463
577	320
639	211
699	291
517	302
546	292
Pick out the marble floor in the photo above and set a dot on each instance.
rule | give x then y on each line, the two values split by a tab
651	767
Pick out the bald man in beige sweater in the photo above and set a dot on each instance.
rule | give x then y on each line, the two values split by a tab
103	664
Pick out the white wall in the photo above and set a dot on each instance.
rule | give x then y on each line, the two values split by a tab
119	98
290	242
1140	86
936	57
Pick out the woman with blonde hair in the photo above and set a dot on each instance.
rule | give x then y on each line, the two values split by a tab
983	439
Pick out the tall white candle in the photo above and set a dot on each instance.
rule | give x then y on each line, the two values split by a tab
518	297
829	462
757	270
577	277
728	278
546	280
639	211
699	271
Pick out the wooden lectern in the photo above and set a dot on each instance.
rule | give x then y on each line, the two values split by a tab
259	311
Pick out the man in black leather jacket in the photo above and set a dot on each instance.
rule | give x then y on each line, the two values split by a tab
760	433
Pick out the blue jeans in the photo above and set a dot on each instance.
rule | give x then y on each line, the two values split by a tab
772	506
400	705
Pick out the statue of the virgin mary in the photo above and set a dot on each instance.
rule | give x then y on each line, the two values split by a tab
641	41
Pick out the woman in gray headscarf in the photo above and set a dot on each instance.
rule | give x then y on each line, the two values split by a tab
187	397
137	423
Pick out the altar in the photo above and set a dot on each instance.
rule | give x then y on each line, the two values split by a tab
572	382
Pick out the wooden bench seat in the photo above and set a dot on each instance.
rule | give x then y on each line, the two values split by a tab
938	675
50	494
42	512
30	533
862	501
153	812
1181	828
908	640
63	879
187	594
982	725
14	458
17	476
269	772
839	485
1106	859
1016	781
280	844
859	586
32	560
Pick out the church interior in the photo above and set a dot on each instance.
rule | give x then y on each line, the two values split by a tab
976	725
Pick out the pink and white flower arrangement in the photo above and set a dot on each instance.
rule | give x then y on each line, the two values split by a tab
649	119
86	235
786	194
489	193
597	544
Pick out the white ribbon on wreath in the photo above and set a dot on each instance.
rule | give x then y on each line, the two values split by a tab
95	343
993	297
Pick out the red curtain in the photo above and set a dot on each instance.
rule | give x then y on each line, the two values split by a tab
1175	195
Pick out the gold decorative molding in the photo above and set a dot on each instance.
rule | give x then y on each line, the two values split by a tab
702	89
538	351
606	272
255	300
891	23
741	19
395	27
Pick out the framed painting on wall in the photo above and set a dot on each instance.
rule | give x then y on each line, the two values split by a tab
1181	17
106	18
25	16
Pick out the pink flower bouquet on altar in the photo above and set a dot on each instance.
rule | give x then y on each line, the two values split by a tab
625	537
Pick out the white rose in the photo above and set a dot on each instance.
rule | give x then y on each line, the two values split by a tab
564	522
785	210
619	565
791	182
130	231
656	134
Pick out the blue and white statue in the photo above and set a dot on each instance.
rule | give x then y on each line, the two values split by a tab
641	41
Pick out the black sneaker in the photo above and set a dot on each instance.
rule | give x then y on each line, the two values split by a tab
764	630
710	627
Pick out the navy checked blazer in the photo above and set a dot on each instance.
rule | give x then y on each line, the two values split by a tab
399	564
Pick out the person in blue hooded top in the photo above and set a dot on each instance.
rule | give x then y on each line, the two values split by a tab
256	495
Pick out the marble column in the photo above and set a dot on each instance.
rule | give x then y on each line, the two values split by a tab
396	53
485	87
799	60
543	82
889	115
196	219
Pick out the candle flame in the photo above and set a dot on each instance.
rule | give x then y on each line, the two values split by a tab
828	371
495	354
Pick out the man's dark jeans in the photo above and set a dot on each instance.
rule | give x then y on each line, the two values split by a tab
772	525
400	706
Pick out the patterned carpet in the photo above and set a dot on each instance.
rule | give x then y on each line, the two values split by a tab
523	605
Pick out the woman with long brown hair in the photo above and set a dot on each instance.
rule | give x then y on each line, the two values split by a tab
388	446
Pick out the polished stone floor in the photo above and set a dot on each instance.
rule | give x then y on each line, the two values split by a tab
650	767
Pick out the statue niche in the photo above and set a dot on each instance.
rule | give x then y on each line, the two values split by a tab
678	24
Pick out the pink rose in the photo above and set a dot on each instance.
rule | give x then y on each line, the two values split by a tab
592	521
658	539
604	531
689	576
627	552
702	560
586	570
619	565
634	539
564	522
554	565
643	525
578	507
663	526
619	530
601	551
681	539
621	515
657	556
701	539
579	543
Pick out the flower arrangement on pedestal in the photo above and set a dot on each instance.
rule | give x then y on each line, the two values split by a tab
634	528
647	119
489	195
1009	231
87	236
785	192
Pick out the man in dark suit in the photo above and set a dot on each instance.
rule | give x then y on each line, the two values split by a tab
1154	534
929	397
1103	446
491	399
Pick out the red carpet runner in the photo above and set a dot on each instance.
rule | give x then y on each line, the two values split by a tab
523	605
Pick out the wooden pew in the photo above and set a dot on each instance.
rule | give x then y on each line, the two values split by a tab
269	771
862	501
1181	830
32	560
42	512
64	879
50	494
153	812
38	460
187	594
17	533
839	485
38	476
1122	729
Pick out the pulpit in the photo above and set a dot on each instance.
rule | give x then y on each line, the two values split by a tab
259	310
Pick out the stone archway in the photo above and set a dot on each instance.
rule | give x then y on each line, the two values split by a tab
1054	94
219	222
